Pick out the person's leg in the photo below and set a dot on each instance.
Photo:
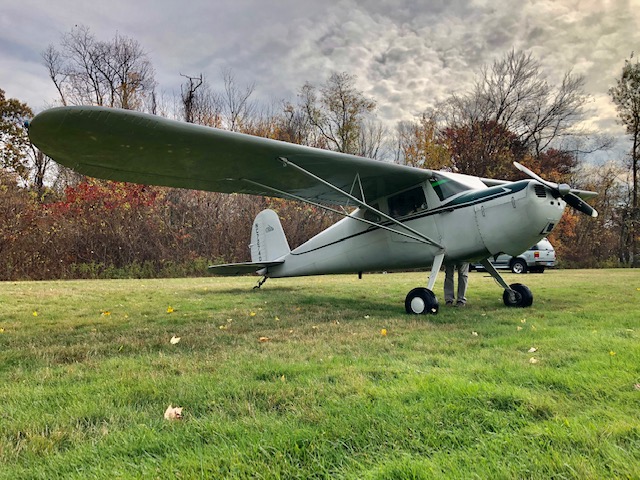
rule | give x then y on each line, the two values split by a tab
463	281
449	297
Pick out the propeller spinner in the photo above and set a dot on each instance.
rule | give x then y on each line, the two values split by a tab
562	190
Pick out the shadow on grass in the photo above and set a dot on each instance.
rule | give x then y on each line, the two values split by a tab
248	289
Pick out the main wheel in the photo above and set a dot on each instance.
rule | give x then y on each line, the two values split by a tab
519	266
522	296
421	301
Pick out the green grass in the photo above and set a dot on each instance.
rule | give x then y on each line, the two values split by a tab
327	395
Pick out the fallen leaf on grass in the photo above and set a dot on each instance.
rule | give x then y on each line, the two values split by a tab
637	386
475	334
174	340
383	332
533	349
173	413
35	313
169	309
264	339
533	360
106	313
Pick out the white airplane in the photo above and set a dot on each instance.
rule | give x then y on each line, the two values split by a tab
404	217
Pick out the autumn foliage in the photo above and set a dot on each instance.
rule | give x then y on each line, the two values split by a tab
102	229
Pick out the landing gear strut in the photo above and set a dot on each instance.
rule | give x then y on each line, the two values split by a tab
516	294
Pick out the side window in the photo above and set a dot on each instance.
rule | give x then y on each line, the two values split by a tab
372	216
407	202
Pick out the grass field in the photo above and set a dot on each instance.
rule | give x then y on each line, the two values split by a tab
299	379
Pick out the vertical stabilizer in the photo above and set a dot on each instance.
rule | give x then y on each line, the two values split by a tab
268	241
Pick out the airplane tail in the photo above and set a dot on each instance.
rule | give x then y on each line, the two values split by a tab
268	247
268	241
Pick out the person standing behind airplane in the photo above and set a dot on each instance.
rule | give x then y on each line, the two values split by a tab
463	280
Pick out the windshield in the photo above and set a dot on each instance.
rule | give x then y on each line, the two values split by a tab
446	187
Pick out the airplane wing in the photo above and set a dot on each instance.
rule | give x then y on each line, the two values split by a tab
135	147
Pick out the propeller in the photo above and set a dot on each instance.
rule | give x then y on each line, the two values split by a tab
562	190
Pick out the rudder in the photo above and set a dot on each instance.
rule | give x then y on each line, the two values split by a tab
268	241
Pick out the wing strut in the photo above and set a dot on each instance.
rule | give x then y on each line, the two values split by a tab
286	162
343	213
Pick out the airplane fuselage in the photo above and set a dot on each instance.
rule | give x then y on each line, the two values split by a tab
474	225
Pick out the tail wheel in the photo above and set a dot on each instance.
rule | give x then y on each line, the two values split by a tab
519	296
421	301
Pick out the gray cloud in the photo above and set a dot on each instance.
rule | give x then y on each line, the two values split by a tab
406	54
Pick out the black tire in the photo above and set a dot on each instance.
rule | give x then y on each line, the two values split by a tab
518	266
523	296
421	301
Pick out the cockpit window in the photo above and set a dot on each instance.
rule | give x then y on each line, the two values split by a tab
407	202
445	187
371	215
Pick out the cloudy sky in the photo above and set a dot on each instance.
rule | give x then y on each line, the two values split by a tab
406	54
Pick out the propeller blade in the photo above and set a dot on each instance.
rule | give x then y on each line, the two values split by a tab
579	204
563	190
523	169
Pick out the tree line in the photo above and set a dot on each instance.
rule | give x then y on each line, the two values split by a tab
57	224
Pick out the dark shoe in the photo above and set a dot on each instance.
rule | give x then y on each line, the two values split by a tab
461	304
449	303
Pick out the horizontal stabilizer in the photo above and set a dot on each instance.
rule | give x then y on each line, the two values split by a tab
230	269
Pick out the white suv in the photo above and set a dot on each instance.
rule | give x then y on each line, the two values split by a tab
534	260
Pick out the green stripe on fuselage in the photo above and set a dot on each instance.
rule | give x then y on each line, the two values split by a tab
476	195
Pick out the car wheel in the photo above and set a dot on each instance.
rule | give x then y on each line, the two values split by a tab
519	266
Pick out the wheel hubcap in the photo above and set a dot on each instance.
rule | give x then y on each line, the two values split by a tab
417	305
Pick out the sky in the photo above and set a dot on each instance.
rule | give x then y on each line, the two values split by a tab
406	54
